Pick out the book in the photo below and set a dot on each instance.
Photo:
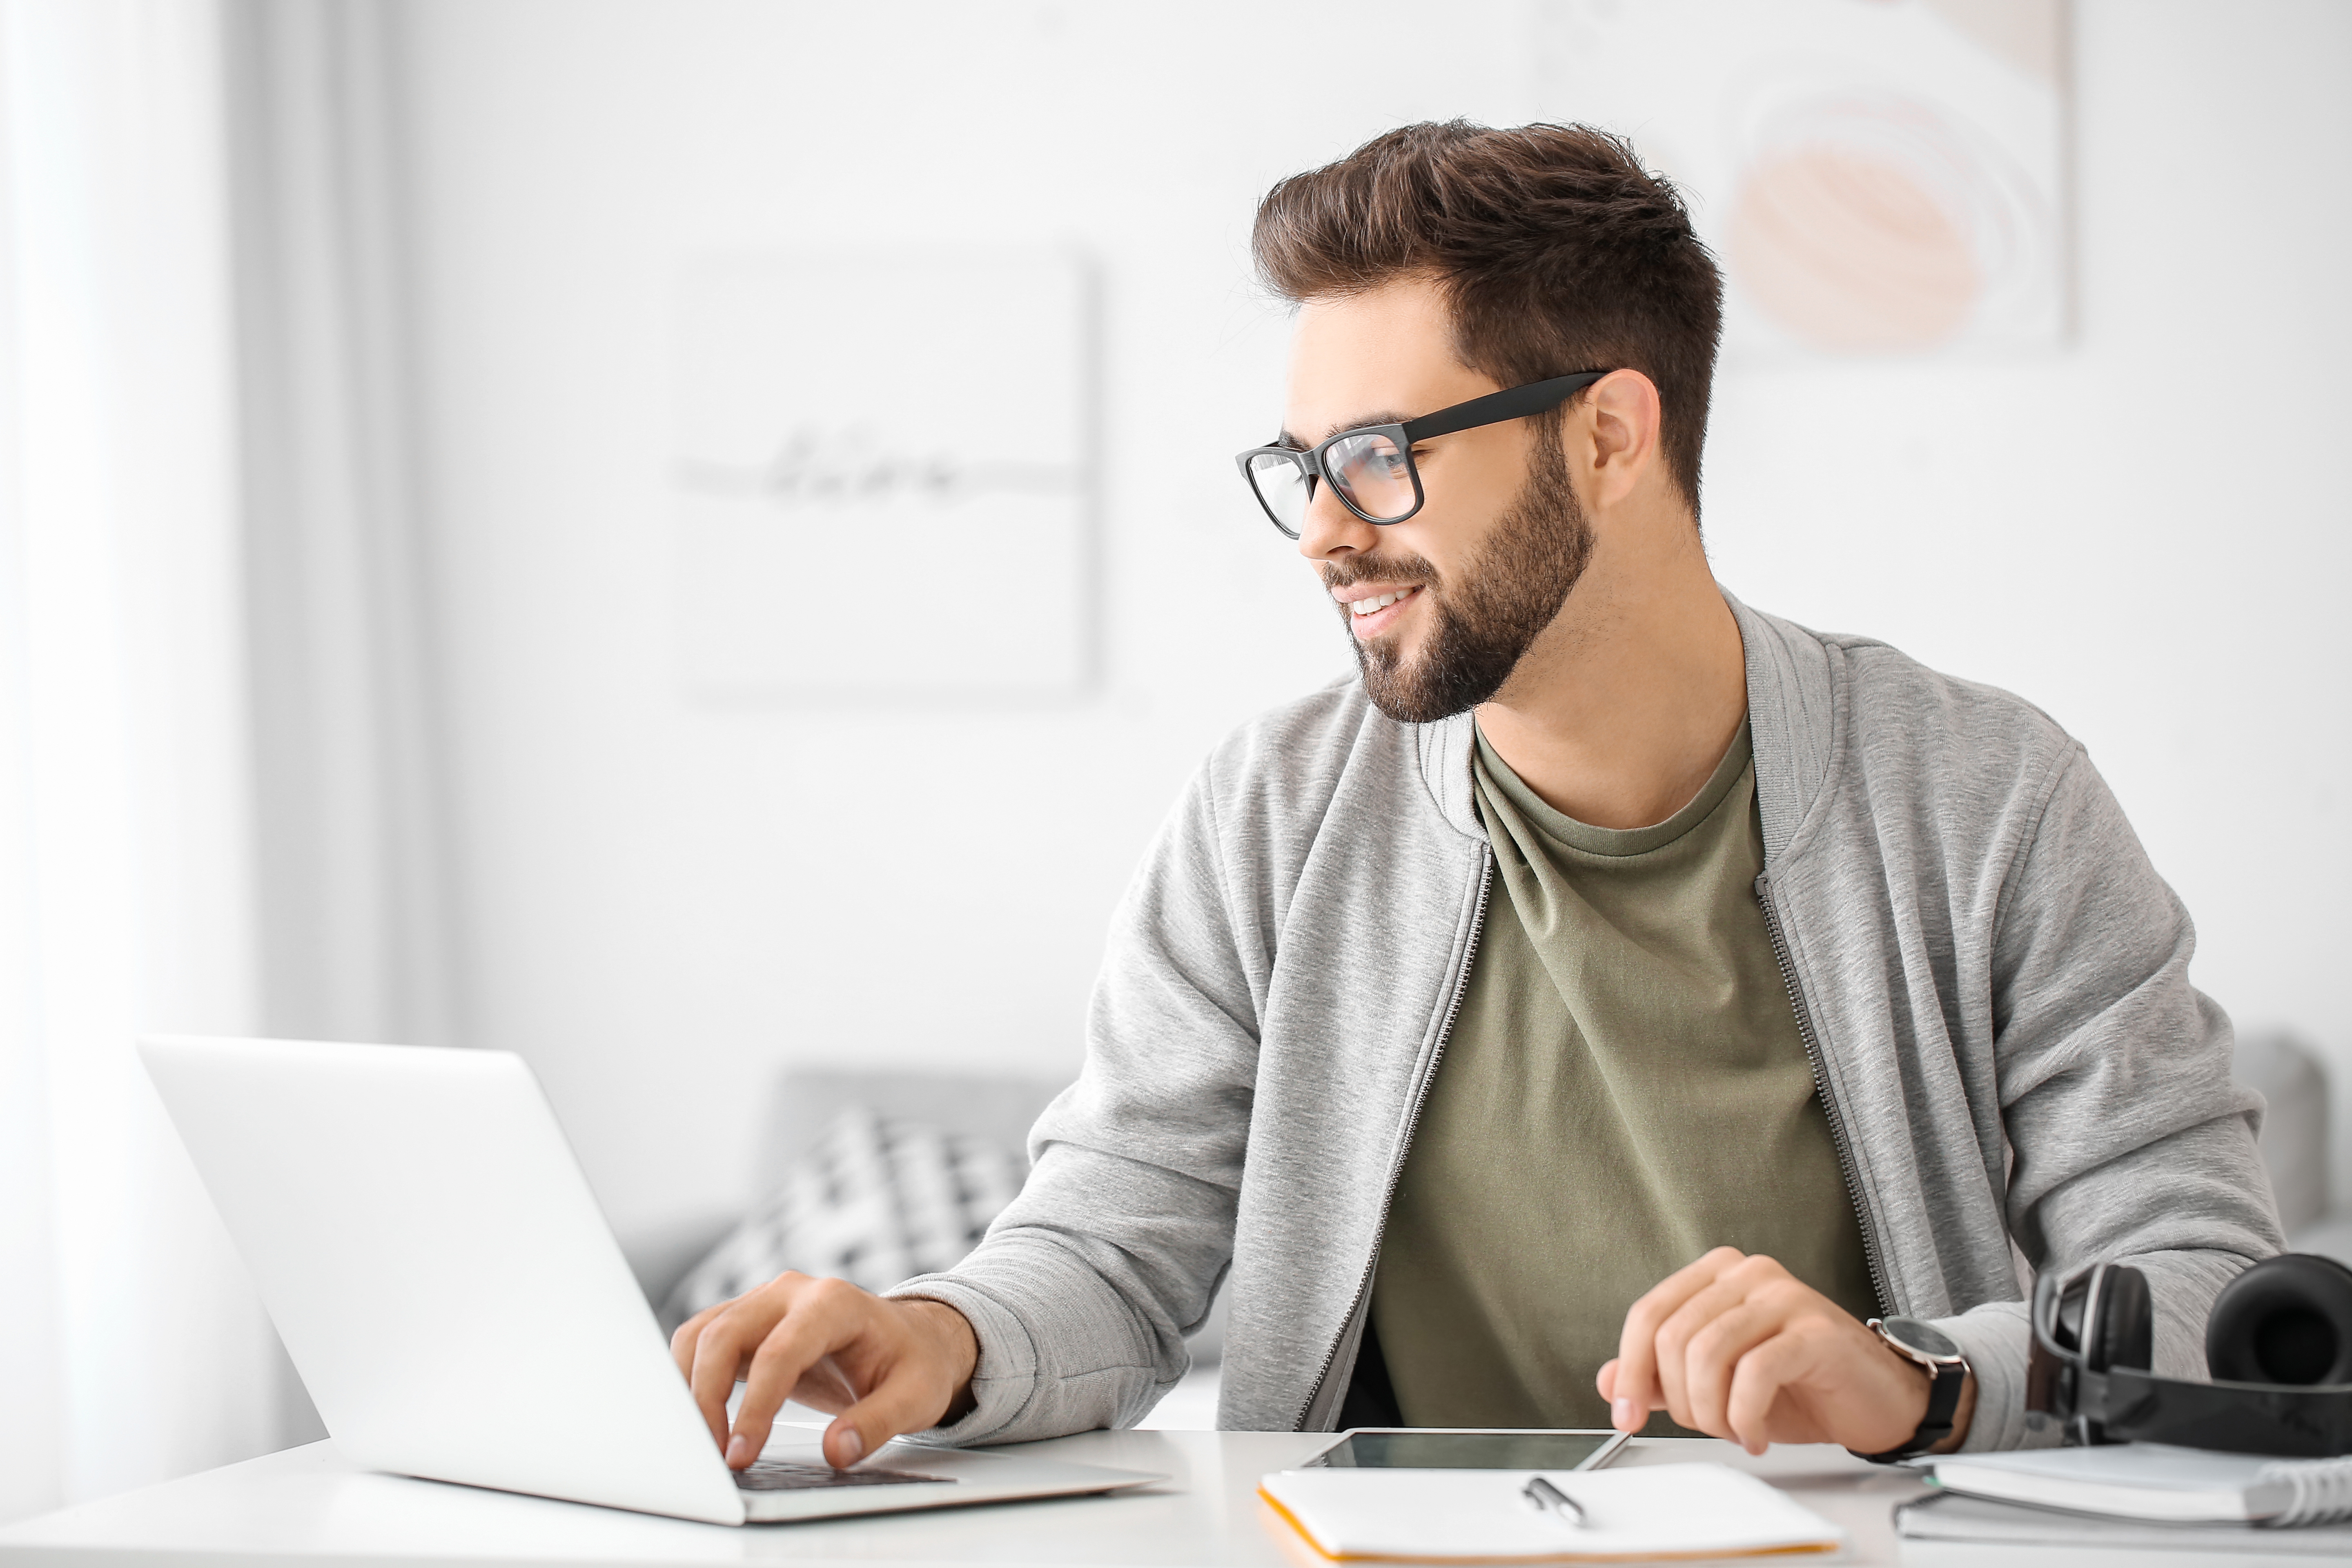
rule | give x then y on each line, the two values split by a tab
2158	1483
1651	1512
1954	1527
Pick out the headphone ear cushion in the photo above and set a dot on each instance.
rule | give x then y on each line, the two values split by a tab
2287	1320
2125	1334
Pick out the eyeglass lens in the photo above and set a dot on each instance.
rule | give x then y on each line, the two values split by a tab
1373	472
1369	468
1283	485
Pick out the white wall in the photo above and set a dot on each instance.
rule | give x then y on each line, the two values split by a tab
661	905
2148	535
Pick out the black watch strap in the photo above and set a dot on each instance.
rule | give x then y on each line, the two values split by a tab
1943	1402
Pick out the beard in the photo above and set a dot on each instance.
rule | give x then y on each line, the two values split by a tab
1503	600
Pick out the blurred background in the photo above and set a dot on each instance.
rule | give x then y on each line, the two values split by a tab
697	542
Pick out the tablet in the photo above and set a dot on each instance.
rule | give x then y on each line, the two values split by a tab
1469	1449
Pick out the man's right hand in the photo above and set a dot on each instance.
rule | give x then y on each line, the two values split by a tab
881	1366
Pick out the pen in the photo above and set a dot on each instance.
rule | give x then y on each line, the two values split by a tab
1545	1495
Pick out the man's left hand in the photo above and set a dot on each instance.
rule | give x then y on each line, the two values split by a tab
1738	1347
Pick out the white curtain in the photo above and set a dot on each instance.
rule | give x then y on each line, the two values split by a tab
131	1347
352	884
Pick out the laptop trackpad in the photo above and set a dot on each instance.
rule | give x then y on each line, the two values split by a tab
796	1483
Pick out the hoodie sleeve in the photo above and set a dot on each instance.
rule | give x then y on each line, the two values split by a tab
2130	1139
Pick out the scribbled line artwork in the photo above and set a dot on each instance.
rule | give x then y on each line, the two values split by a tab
810	469
880	478
1877	177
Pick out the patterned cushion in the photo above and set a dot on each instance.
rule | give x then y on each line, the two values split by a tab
876	1200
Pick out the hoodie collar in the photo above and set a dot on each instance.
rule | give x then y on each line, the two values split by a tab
1791	719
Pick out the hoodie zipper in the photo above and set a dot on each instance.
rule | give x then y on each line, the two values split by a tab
1412	1122
1835	1117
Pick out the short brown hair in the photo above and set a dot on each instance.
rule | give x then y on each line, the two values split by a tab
1558	252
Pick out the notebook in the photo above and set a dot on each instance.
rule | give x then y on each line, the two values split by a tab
1950	1526
2159	1482
1654	1512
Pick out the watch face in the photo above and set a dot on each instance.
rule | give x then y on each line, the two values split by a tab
1925	1338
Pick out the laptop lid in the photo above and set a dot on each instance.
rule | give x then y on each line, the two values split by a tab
441	1275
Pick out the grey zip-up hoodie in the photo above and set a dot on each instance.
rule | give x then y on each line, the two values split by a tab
1992	978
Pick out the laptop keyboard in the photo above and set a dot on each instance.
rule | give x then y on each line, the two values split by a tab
781	1476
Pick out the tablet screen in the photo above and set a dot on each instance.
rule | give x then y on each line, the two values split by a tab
1429	1450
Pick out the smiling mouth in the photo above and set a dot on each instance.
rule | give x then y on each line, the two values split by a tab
1379	601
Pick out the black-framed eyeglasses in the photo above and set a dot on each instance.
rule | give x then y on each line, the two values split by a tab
1371	470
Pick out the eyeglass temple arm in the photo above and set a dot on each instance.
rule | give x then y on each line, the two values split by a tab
1515	402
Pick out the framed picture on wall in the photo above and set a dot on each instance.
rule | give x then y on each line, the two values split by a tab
882	477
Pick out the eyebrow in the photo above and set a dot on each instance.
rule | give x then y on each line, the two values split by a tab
1378	417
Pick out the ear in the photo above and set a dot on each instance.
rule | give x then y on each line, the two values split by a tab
1616	421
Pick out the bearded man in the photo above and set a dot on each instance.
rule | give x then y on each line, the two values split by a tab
1618	1005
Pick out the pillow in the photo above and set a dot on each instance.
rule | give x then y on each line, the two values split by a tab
876	1200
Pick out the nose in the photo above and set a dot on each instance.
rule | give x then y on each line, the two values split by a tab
1330	531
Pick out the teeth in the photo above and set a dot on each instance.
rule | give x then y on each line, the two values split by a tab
1375	604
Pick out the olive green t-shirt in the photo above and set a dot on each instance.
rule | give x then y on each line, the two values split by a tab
1624	1088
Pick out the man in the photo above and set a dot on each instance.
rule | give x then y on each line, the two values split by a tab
1612	1001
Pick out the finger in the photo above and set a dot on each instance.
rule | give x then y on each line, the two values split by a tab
683	1346
824	1318
1638	1391
718	1353
1757	1385
912	1398
1714	1353
727	1343
681	1343
1605	1379
1672	1354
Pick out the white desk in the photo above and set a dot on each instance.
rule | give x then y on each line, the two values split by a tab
307	1506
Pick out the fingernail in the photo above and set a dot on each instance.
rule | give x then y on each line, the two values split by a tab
1620	1413
851	1446
739	1451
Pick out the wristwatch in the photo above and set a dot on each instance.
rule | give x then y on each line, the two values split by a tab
1925	1345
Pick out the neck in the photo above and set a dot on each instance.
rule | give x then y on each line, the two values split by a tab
1617	714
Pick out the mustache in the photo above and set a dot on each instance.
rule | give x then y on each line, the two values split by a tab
1410	571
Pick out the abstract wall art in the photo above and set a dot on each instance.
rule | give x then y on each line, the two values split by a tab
1878	177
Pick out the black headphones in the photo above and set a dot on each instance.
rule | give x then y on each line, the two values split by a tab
2278	1344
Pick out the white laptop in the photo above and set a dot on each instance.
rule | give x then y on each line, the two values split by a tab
433	1258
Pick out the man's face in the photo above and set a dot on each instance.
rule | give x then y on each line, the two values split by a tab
1438	607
